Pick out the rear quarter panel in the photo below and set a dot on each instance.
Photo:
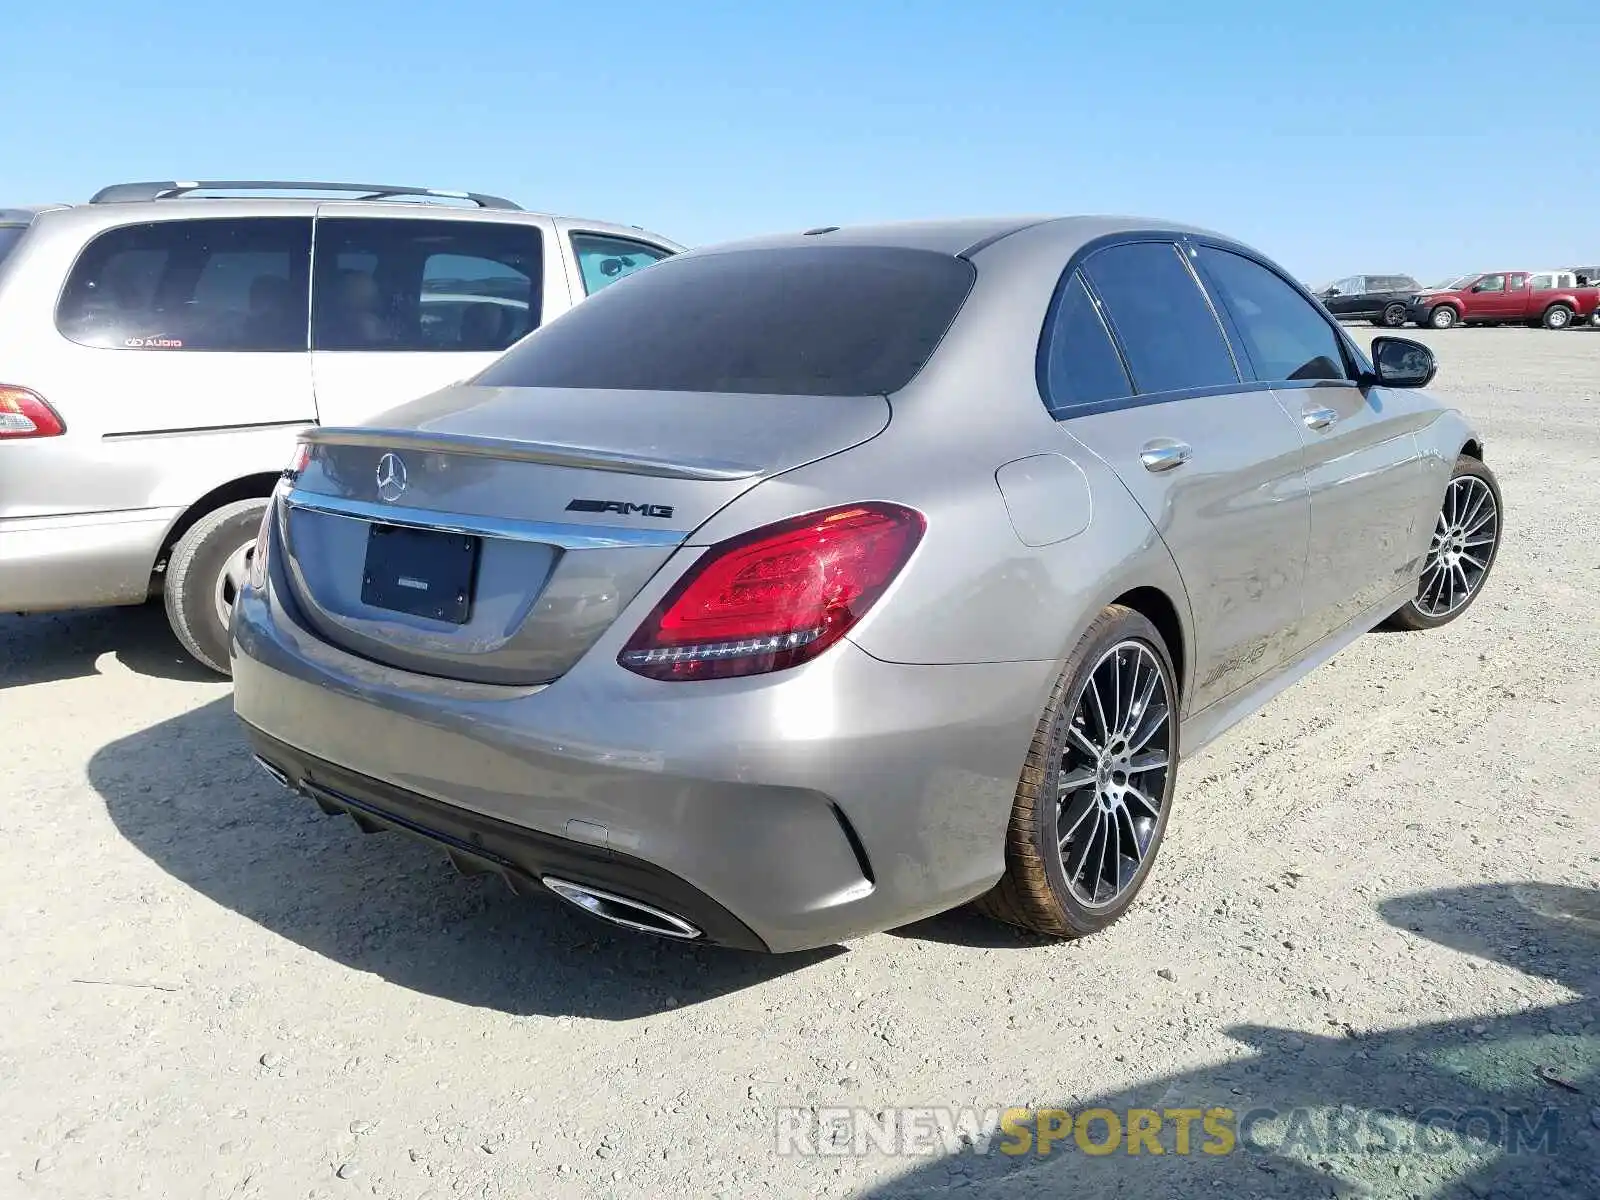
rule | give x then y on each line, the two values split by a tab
975	591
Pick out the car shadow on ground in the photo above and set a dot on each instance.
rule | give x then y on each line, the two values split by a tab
1354	1113
187	794
46	647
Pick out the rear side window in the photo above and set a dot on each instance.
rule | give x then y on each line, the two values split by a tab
10	235
822	321
212	284
1168	332
412	284
603	260
1081	365
1285	335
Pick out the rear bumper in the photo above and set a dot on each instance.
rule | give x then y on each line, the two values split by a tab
807	807
85	560
476	844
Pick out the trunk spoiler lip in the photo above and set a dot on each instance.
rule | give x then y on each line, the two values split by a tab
553	533
525	450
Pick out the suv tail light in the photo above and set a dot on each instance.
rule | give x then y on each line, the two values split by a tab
776	597
24	414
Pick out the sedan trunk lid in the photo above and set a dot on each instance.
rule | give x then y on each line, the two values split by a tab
494	533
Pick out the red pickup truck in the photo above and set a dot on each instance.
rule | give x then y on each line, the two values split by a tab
1549	298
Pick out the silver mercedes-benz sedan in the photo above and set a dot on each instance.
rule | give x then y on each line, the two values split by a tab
797	588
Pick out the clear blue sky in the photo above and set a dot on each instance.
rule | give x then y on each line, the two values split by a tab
1427	138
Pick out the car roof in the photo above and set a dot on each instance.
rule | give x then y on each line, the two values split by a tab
108	214
961	236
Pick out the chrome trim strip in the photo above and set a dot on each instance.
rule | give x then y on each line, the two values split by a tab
518	450
550	533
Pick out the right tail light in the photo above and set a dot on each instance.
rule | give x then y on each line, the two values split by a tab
775	597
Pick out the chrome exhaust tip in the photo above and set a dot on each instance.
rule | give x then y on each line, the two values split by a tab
619	910
273	771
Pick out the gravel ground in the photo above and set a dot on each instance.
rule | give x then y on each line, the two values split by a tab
1379	893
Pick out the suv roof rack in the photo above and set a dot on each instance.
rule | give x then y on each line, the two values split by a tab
123	193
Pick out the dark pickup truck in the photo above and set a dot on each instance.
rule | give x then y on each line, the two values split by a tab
1549	298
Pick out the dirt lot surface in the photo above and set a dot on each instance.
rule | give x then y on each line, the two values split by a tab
1378	894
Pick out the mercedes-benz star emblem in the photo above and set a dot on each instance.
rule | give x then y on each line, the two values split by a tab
391	477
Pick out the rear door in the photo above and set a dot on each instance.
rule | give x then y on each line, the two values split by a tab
1362	463
176	355
1519	297
1216	465
404	303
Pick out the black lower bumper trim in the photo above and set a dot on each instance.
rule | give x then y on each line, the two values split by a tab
478	844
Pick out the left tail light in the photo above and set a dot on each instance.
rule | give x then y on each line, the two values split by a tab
776	597
24	414
258	556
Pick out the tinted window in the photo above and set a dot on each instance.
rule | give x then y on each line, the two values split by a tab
1490	283
404	284
239	285
603	260
10	235
1168	332
1082	365
824	320
1284	334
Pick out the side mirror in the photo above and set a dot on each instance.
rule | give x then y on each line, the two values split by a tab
1402	363
1332	292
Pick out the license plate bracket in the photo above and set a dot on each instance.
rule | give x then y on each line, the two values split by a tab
421	572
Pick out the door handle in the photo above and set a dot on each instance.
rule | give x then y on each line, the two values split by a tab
1319	418
1165	456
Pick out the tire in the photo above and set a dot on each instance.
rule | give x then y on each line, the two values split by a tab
1035	892
1557	316
1442	317
197	590
1423	611
1392	317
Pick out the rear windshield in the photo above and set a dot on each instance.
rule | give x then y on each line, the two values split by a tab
802	321
10	235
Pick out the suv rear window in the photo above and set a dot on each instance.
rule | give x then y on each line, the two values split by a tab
797	321
206	284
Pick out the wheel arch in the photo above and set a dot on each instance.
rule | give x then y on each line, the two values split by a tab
1158	608
257	486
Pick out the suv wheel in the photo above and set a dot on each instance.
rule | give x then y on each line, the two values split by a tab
1557	316
207	568
1442	317
1392	317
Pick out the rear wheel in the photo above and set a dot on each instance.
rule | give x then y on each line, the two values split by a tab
1466	541
1557	316
1092	804
1392	317
1442	317
204	575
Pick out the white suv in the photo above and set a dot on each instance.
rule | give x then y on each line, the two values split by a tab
162	345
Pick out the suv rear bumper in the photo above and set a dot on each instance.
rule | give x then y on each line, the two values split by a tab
86	560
